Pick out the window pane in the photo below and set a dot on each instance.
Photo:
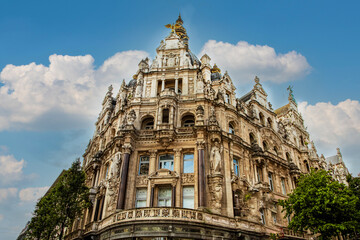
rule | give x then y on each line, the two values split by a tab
164	197
166	161
188	197
141	194
188	163
144	165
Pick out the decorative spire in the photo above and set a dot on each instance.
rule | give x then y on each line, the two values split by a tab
291	95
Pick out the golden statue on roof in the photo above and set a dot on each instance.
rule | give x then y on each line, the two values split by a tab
178	28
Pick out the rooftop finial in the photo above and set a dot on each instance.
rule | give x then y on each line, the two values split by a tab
256	79
291	95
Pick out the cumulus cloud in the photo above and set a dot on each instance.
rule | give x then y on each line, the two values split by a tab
243	61
32	194
333	126
66	94
10	169
6	193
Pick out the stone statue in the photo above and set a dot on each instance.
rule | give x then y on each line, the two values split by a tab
139	87
115	166
131	117
177	61
215	157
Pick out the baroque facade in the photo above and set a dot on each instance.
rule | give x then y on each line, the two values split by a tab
176	155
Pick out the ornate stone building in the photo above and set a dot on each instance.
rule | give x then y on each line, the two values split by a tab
176	155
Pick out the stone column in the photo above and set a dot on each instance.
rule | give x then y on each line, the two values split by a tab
124	175
162	84
201	174
173	196
176	85
152	169
177	169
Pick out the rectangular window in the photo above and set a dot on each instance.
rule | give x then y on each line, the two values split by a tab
164	197
283	188
166	161
141	194
188	163
262	215
236	167
271	185
188	197
274	217
258	173
144	165
107	171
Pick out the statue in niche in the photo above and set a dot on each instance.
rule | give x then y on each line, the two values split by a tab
240	105
177	61
115	166
131	117
139	87
165	59
215	157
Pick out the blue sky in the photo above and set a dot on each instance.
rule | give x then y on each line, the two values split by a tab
46	119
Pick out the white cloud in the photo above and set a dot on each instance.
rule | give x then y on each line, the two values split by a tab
10	169
333	126
66	94
243	61
6	193
32	194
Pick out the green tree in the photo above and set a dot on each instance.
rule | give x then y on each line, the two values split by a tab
64	201
322	205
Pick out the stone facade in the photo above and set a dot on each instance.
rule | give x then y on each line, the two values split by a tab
176	155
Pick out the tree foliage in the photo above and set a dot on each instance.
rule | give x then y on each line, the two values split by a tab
64	201
322	205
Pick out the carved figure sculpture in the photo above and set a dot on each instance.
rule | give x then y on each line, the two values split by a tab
131	117
216	151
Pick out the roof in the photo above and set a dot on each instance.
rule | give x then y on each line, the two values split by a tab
282	109
333	160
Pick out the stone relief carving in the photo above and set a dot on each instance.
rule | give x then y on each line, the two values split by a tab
215	185
212	117
209	91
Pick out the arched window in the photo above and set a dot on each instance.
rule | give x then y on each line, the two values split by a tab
231	128
265	146
188	121
227	98
276	150
269	122
148	123
288	158
302	141
262	120
252	139
165	115
307	165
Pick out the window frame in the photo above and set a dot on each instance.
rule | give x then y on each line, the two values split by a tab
236	167
142	162
171	161
188	160
192	197
142	198
271	181
166	198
